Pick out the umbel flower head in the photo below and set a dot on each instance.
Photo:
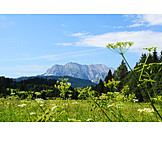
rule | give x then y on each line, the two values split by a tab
120	47
150	48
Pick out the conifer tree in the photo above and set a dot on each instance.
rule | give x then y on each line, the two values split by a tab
143	58
155	57
160	58
120	74
109	76
100	87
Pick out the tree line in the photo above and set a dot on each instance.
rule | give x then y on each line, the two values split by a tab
43	87
33	87
127	78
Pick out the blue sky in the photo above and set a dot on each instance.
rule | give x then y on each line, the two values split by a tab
30	44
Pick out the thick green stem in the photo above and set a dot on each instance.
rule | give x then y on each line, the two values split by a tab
145	90
130	68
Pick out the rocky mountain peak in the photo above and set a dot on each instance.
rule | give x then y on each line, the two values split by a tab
93	72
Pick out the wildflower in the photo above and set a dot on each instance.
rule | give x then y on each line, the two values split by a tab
75	103
53	108
53	119
135	100
41	105
140	110
109	105
22	105
89	119
32	113
120	47
39	100
73	120
146	110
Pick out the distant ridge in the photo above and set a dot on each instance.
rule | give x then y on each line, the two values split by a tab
75	82
93	72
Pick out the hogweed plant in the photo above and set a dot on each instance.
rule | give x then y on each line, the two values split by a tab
121	48
63	87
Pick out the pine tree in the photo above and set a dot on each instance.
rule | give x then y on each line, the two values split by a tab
143	58
155	57
150	59
120	74
160	58
109	76
100	87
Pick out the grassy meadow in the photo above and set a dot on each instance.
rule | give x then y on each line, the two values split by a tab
13	109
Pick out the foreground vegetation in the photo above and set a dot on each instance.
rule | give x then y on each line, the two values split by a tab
13	109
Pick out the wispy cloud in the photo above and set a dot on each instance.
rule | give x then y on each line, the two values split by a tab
152	19
140	38
118	27
135	25
53	56
64	44
145	20
79	34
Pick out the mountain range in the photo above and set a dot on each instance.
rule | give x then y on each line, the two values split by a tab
93	72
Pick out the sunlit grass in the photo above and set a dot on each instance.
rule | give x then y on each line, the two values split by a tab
15	110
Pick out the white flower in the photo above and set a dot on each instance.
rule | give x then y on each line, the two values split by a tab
140	110
109	105
39	100
53	119
22	105
146	110
89	119
32	113
41	105
75	103
53	108
135	100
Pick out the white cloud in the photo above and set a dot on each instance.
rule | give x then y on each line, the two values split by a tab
79	34
152	19
140	38
64	44
118	27
51	57
146	20
135	25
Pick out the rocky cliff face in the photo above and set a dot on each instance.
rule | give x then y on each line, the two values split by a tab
93	72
